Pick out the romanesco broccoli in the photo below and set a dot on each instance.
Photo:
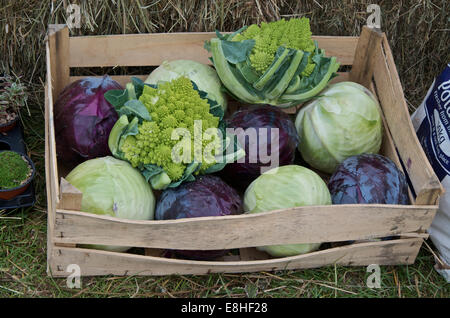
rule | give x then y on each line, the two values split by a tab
294	34
172	105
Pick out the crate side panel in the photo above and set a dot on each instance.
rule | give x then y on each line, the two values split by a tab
390	93
289	226
388	146
363	63
153	49
59	54
51	212
124	79
93	262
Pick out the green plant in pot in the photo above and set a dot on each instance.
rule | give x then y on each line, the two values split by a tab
13	97
16	173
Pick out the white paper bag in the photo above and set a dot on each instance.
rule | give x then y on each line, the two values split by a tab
432	124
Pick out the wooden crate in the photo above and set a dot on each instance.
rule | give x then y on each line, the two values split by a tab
372	65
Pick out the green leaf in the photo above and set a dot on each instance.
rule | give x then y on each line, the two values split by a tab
131	91
229	36
287	75
221	36
280	58
149	171
236	52
120	131
232	35
138	86
115	135
134	107
231	77
247	71
188	175
156	175
229	156
215	109
116	97
159	179
207	46
316	82
295	83
132	129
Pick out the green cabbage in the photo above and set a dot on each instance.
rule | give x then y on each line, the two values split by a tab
282	188
112	187
342	122
204	76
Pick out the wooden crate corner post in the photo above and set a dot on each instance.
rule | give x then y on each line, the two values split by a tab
363	63
58	39
58	72
70	197
424	181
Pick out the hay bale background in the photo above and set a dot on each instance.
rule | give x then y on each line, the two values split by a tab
417	30
418	33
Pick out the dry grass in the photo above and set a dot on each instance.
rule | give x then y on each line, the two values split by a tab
418	32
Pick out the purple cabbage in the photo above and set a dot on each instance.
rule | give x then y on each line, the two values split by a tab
240	174
368	178
84	119
208	195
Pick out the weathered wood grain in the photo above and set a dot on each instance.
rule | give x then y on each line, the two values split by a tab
153	49
93	262
426	184
363	63
308	224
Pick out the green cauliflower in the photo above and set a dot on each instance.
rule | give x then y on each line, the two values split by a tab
276	63
293	34
151	141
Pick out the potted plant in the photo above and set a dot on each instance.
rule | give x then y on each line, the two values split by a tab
16	173
13	96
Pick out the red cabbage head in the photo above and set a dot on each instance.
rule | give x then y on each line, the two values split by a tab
84	119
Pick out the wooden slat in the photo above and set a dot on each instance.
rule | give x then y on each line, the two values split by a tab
51	208
71	197
153	49
252	254
58	39
390	92
93	262
387	146
121	79
307	224
50	92
363	63
124	79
